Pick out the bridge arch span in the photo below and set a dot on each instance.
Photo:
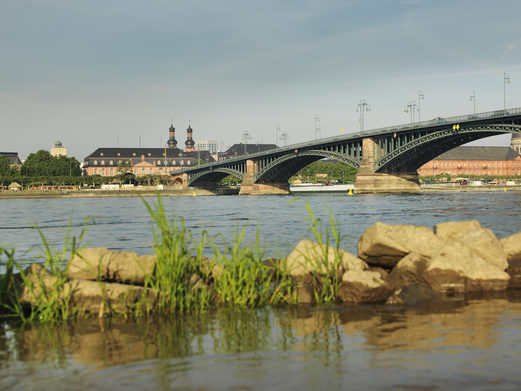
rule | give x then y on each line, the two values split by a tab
210	177
285	166
419	151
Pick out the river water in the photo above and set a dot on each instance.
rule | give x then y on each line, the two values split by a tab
467	343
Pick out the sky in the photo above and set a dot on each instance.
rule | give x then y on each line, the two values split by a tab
107	73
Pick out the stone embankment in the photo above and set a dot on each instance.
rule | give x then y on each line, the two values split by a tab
396	264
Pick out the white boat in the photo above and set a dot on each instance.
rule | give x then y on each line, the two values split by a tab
319	187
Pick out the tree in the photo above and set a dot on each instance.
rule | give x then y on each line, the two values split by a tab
4	165
43	164
124	166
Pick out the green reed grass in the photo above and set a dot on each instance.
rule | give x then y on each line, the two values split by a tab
326	278
175	265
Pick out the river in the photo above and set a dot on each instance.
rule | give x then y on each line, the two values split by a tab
468	343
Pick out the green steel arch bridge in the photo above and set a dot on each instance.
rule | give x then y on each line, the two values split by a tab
387	159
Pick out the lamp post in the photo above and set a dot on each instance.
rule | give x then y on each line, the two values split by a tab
362	107
420	98
473	99
506	79
411	108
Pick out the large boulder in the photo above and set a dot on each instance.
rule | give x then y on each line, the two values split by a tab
512	247
363	286
85	296
109	265
311	257
385	244
408	270
514	271
458	268
482	240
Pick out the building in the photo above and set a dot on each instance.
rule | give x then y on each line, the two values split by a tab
515	142
479	161
58	149
211	146
145	161
246	149
14	160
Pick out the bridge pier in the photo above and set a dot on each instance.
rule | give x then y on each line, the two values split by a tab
368	181
249	187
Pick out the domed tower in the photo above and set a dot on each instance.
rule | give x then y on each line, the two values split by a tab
189	143
172	142
515	142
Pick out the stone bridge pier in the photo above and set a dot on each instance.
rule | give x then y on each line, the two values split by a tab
248	186
369	181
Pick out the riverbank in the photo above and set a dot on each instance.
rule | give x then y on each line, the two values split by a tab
448	187
115	193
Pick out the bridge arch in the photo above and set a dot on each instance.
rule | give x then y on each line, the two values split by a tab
212	176
412	155
287	165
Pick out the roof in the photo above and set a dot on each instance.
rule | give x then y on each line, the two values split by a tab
479	153
154	153
13	158
238	149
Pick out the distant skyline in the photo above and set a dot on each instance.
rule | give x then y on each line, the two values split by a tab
102	73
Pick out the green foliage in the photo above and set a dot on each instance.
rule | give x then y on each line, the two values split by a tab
175	268
124	166
335	170
4	165
43	164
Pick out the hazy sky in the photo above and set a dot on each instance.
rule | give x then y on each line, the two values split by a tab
102	73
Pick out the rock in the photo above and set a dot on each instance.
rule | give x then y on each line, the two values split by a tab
514	271
360	286
458	268
209	268
304	290
109	265
482	240
385	244
408	270
512	247
416	293
310	257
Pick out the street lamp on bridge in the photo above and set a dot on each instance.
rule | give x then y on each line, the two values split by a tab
362	107
411	108
506	79
420	98
473	99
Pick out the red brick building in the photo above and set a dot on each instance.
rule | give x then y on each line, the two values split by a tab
479	161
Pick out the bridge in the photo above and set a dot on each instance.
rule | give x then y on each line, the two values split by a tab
387	159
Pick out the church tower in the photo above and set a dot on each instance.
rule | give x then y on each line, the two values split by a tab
515	142
172	142
189	143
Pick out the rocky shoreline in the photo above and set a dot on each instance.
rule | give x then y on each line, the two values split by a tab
395	264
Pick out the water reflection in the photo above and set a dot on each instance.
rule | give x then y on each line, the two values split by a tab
471	335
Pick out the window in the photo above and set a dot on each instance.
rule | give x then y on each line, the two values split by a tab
101	153
95	162
111	162
111	171
133	154
188	162
181	162
143	171
149	154
119	154
103	162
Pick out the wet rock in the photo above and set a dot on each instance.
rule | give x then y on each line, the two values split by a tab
413	294
385	244
458	268
408	270
482	240
514	271
209	268
305	290
359	286
108	265
512	247
310	257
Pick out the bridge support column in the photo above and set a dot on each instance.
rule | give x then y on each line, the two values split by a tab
248	187
368	181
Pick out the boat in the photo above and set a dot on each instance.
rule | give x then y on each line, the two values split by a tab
319	187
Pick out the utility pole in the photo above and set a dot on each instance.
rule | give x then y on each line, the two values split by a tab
411	108
506	79
420	98
284	137
318	131
362	107
245	137
473	99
